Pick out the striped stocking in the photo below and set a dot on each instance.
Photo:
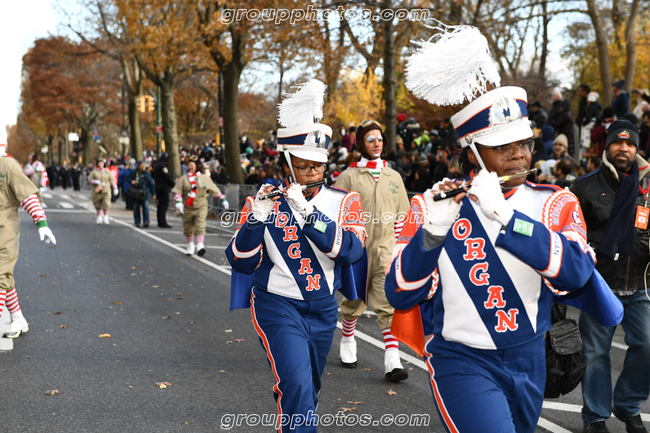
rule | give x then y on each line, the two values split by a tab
348	327
390	342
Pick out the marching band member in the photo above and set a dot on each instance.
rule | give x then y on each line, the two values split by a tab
296	248
479	271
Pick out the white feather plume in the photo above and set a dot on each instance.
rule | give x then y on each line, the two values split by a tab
455	67
300	108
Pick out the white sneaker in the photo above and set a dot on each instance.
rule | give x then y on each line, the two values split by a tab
100	220
395	372
18	325
106	221
200	249
190	249
348	351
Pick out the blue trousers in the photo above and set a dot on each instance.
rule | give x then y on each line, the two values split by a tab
137	205
633	385
487	391
297	336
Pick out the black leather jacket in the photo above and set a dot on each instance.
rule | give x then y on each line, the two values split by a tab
597	193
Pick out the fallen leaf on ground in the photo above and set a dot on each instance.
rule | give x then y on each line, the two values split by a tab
163	385
58	312
179	294
62	326
53	392
178	312
228	342
365	369
391	392
228	330
348	409
105	336
167	317
117	303
155	287
238	340
355	402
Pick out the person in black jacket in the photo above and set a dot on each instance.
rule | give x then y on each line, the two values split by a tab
614	200
164	184
561	119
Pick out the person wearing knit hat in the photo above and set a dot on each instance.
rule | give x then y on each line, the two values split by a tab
621	102
292	251
384	197
17	191
476	258
615	200
560	146
102	181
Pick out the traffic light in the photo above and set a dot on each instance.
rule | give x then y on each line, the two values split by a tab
142	107
151	103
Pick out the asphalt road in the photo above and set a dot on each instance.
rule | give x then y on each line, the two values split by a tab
168	318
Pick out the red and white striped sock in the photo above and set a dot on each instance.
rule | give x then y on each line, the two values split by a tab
99	212
12	301
105	211
3	296
390	342
190	239
348	327
200	239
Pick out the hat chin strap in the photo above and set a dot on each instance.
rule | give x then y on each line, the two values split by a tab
287	156
478	157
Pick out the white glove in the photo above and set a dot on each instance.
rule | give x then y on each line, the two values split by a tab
115	191
440	214
179	208
42	190
297	200
225	204
262	208
46	234
486	187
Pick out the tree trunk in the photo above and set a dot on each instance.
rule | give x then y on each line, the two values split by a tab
231	75
390	115
136	132
603	53
85	141
630	45
169	123
542	61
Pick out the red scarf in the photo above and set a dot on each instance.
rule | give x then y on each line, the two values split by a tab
192	193
372	165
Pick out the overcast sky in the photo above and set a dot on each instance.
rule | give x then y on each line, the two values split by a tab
22	22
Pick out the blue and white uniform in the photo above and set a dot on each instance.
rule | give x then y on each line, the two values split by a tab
297	266
487	291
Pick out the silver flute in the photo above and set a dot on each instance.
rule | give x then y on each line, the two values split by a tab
503	179
277	192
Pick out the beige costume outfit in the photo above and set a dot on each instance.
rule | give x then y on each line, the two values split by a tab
15	187
102	199
384	202
194	216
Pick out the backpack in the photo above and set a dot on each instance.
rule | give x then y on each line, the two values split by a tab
564	355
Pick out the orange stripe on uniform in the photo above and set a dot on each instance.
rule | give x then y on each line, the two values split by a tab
436	395
269	355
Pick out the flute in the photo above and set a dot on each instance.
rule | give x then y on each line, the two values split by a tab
503	179
277	192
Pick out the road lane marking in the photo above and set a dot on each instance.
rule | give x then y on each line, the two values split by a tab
66	205
47	195
65	196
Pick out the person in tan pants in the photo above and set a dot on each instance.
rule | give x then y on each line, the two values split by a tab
102	180
16	190
194	188
385	204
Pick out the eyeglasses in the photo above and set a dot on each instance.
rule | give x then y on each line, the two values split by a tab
306	169
372	138
505	152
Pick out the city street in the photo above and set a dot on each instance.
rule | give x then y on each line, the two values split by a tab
129	334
